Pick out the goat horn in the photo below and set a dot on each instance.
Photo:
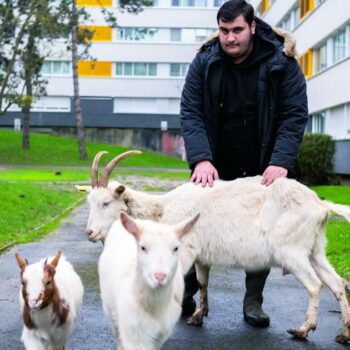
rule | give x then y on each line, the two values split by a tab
110	166
94	170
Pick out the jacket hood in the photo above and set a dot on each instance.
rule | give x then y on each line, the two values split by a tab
276	36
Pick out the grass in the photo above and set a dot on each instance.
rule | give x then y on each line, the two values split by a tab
338	247
23	207
63	174
336	194
54	150
338	232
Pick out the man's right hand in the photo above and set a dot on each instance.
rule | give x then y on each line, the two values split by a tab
204	173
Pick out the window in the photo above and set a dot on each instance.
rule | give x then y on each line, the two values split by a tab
190	35
48	104
319	2
136	34
219	3
138	69
146	105
56	68
291	20
306	6
339	46
318	122
189	3
175	34
321	58
178	69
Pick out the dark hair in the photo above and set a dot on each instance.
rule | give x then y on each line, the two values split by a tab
231	9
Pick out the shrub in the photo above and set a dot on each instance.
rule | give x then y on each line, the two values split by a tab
316	159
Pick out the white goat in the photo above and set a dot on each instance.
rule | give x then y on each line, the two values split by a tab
141	281
50	298
242	224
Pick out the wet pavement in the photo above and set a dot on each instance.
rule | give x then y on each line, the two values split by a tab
285	302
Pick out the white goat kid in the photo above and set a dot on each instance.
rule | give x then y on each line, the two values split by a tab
141	281
242	224
50	299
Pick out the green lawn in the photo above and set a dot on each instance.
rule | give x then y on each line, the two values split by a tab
336	194
54	150
338	246
63	174
25	207
338	232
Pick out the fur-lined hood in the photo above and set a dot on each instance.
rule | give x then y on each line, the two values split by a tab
288	40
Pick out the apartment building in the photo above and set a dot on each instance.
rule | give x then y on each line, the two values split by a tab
322	30
136	79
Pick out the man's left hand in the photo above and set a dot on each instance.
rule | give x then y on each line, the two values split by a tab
273	172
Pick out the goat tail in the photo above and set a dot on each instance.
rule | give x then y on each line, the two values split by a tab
342	210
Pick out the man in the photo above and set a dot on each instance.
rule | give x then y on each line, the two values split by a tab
243	113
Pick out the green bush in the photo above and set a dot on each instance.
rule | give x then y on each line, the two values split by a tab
316	159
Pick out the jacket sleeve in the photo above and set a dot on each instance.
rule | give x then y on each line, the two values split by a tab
192	115
292	116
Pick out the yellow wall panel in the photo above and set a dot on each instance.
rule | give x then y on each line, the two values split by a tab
101	33
306	7
306	63
94	69
106	3
264	6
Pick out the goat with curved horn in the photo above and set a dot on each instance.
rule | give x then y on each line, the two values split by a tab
108	169
110	166
94	169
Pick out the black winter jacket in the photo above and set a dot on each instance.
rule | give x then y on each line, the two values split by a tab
282	104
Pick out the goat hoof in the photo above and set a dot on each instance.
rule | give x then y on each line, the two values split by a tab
297	334
342	339
196	320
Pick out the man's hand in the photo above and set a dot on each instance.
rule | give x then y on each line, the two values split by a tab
271	173
204	173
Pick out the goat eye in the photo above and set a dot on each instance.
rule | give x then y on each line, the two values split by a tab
48	283
176	249
143	248
105	204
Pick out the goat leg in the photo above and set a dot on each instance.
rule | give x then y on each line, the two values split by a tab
203	277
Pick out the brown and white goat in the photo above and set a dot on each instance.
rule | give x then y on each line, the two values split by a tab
242	224
50	299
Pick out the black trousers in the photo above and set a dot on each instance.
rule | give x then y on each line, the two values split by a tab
254	282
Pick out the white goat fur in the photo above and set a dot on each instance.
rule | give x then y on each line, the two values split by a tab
142	309
48	335
242	224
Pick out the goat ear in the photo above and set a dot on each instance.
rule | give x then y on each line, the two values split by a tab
118	191
185	226
21	262
56	259
130	225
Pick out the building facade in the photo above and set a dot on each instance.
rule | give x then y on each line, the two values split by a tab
136	77
322	31
131	92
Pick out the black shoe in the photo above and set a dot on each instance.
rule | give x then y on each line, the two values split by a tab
188	307
255	316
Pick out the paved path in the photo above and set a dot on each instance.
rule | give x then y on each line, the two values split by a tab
285	301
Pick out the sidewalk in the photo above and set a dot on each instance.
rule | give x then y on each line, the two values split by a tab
285	302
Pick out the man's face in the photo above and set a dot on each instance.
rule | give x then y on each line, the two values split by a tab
236	38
